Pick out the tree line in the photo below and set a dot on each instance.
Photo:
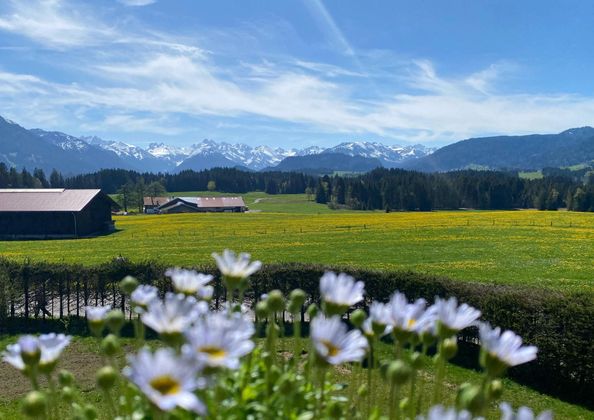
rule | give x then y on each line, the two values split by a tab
384	189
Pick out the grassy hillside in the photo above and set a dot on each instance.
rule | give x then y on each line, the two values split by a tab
551	249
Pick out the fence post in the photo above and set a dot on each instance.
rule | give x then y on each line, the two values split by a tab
26	292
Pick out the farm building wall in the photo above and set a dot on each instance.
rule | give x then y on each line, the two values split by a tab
94	218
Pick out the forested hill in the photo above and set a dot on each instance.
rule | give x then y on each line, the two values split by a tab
383	189
571	147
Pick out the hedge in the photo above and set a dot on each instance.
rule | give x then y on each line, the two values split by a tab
560	324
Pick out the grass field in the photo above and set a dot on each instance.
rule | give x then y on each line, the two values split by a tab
14	386
552	249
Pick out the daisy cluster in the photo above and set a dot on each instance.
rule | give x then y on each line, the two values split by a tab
208	362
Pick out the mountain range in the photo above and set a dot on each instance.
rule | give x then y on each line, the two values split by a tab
47	150
37	148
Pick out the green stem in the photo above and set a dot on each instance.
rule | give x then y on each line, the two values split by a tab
391	401
370	366
322	390
411	400
33	377
439	375
110	403
421	385
297	338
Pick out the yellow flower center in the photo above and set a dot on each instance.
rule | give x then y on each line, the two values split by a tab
332	349
166	385
411	323
212	351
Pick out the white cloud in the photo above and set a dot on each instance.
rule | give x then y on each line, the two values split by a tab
142	81
137	2
53	23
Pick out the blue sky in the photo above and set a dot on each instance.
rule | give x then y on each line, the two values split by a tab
297	73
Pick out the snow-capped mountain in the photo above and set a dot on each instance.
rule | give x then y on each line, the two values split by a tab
175	155
205	154
73	154
134	156
390	156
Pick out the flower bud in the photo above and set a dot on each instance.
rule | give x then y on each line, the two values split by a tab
449	348
106	377
495	389
471	398
115	321
34	404
296	300
276	301
128	285
90	412
404	404
68	394
30	351
398	372
312	311
65	378
286	385
358	317
110	345
416	360
262	309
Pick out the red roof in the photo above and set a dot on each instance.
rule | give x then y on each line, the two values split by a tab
39	200
207	202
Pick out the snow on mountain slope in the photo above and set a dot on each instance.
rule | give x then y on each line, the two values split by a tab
388	155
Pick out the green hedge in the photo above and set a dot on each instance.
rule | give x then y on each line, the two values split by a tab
561	325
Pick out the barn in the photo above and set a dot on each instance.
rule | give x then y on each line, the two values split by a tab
203	204
54	213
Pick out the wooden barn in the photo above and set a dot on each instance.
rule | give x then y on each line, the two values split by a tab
203	205
54	213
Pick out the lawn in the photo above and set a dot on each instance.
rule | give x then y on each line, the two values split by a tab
547	249
82	359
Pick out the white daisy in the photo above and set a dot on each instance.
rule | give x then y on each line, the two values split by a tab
44	350
403	315
334	343
173	315
142	297
453	318
426	325
205	293
378	322
217	340
188	282
167	379
340	291
97	313
26	351
503	349
523	413
235	268
439	412
52	346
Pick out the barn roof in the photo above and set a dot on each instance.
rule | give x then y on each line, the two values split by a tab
40	200
206	202
155	201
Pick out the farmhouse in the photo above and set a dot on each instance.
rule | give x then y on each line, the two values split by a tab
54	213
151	204
202	204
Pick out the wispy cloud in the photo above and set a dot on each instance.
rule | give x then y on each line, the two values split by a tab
143	80
52	23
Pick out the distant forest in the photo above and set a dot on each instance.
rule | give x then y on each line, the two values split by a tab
384	189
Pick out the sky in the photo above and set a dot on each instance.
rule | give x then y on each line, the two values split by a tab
297	73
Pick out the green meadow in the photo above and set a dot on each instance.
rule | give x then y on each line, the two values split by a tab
547	249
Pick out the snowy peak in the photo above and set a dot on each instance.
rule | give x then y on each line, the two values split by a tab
123	150
62	140
389	155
